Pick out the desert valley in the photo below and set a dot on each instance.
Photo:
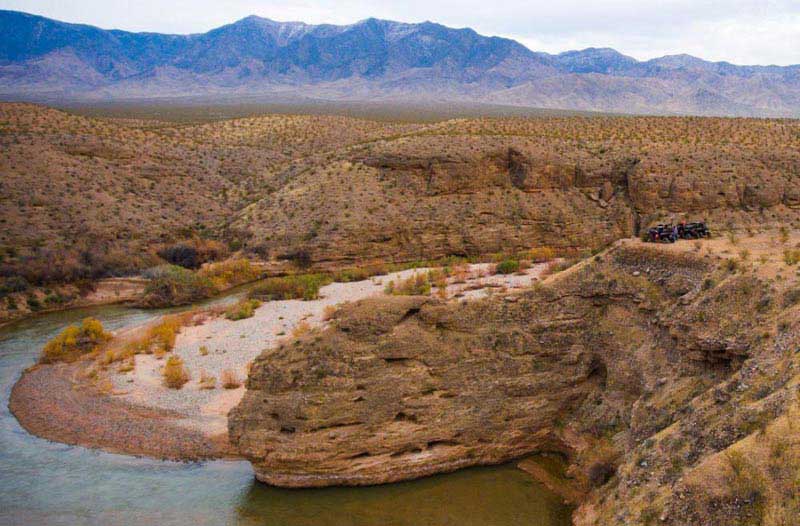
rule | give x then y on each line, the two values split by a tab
227	301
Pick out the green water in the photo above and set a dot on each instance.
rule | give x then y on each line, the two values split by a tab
47	483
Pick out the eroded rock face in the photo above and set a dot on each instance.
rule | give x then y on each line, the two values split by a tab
404	388
408	386
429	197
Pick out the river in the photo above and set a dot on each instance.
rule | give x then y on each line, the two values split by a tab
47	483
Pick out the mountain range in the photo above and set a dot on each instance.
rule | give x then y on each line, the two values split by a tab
375	60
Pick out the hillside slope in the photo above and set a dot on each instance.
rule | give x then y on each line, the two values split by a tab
85	198
479	186
105	194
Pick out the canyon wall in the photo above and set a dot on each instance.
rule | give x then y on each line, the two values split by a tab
596	363
429	196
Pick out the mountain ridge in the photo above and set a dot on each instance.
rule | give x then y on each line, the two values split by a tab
373	59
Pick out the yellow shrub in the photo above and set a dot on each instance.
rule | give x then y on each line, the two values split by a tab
75	341
227	274
541	254
175	374
161	337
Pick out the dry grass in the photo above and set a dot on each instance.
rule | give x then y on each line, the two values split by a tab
229	380
416	285
175	373
207	381
157	339
328	312
301	329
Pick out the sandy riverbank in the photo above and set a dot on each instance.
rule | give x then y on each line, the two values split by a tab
139	415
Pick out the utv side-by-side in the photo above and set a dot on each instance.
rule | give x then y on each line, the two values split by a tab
672	233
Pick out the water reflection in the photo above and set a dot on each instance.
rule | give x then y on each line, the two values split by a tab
500	495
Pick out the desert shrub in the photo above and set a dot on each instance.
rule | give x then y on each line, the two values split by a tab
183	255
56	298
747	483
783	234
791	297
157	339
301	329
33	303
300	286
74	264
508	266
244	308
360	273
791	256
12	284
601	472
127	366
75	341
227	274
175	374
193	253
161	337
207	381
417	285
301	258
174	285
438	278
229	380
541	254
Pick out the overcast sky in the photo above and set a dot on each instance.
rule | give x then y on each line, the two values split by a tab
739	31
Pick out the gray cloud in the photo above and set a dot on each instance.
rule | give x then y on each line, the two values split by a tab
740	31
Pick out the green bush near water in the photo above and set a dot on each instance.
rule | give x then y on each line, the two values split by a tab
299	286
508	266
173	285
242	309
417	285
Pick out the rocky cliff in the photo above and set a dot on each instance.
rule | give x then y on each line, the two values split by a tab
641	362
